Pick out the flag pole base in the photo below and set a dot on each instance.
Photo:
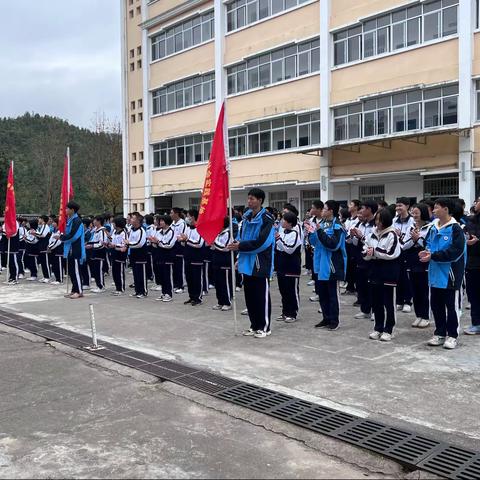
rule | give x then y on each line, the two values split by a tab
93	348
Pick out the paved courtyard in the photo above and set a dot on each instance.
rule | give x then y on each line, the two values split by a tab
403	383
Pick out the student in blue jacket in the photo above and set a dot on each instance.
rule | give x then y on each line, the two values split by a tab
446	252
256	241
329	263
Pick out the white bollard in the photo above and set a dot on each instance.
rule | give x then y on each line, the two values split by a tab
94	329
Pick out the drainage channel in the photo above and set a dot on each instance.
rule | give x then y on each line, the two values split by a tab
412	450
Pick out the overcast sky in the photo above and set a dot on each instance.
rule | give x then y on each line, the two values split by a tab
61	58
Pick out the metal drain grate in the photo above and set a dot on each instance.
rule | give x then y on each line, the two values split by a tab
414	451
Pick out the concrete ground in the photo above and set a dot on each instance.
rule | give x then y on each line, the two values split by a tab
63	416
404	383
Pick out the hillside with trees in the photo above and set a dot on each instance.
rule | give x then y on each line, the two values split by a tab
37	145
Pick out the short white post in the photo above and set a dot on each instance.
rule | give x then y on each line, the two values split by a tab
94	329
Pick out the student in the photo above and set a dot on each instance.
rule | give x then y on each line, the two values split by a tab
193	254
164	240
31	250
316	218
329	263
472	273
119	254
55	254
353	208
358	233
382	250
222	266
445	252
255	245
85	270
417	270
13	260
97	246
107	224
180	228
43	235
288	249
136	243
156	260
74	248
22	232
150	231
403	224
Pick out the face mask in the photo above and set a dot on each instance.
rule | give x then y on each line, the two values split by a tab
188	221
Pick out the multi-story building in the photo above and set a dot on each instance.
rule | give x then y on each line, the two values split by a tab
324	98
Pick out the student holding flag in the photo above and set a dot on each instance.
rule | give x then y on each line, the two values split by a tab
10	229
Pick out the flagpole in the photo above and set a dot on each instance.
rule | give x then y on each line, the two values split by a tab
8	261
68	199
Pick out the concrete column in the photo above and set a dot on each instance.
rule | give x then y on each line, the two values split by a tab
325	81
220	77
147	154
466	176
124	117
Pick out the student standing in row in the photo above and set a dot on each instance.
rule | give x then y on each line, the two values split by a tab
136	243
329	263
97	246
180	228
288	247
119	254
55	254
255	261
382	250
350	277
31	250
445	252
43	235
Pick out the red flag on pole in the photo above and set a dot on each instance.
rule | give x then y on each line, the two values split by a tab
10	225
66	193
213	206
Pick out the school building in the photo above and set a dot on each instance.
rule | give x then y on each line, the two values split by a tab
368	99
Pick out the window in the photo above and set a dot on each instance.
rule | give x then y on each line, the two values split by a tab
139	50
130	13
401	112
132	66
436	186
399	29
132	118
130	2
282	133
183	150
141	168
276	66
184	93
132	53
141	155
139	10
140	117
197	30
134	169
245	12
132	105
277	200
142	207
371	192
134	207
308	197
194	202
139	64
140	103
134	157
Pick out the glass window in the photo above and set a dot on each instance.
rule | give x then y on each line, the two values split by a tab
398	36
340	128
369	124
264	72
340	52
413	31
369	44
290	137
432	114
413	112
431	26
354	126
398	116
383	40
450	110
449	23
383	122
354	48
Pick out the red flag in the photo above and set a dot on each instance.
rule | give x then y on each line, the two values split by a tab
213	206
66	194
10	225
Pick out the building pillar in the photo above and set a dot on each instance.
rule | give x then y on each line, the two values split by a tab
124	117
220	77
325	86
466	176
147	154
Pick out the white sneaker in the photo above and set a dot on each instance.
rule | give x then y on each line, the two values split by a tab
406	309
86	287
311	282
21	276
210	286
217	307
12	282
280	318
160	298
55	282
179	290
226	308
248	333
436	341
361	315
45	280
375	335
399	308
117	294
416	322
158	288
167	298
244	312
261	334
290	320
98	290
450	343
238	289
314	298
386	337
32	279
423	323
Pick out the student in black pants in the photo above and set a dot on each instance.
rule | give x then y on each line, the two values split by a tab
97	246
85	266
31	250
382	250
288	247
255	262
472	272
55	249
119	249
180	228
136	242
43	234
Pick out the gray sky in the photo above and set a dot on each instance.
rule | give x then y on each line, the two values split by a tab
61	58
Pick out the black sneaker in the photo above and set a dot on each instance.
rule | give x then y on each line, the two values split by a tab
187	302
356	304
196	302
322	324
332	328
